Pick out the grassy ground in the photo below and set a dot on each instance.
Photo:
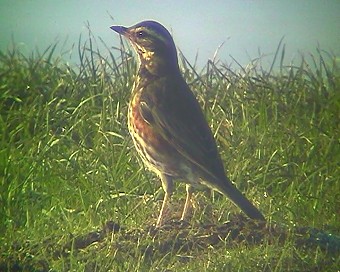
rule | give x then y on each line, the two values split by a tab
67	165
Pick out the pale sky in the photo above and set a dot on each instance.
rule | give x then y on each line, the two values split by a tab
244	26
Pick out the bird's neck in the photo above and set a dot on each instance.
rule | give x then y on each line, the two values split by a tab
158	65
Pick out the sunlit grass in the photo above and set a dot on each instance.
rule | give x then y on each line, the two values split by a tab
67	164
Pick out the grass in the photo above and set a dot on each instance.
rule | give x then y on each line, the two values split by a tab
67	164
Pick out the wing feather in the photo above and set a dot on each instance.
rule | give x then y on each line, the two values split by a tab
173	111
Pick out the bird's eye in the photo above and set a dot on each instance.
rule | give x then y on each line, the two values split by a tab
141	34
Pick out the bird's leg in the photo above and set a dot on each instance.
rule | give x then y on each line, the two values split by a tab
168	188
187	205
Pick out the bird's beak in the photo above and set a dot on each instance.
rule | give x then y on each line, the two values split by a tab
120	30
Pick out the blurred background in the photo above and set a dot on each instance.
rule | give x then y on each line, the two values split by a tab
246	28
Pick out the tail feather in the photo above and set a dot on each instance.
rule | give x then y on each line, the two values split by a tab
240	200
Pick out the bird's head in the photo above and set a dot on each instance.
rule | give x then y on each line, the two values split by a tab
154	45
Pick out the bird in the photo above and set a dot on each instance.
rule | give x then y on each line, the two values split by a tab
167	124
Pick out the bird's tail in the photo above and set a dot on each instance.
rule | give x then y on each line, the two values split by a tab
228	189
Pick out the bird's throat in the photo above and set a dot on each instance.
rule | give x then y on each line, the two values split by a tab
157	65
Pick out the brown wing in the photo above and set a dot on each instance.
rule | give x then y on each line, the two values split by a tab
171	109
